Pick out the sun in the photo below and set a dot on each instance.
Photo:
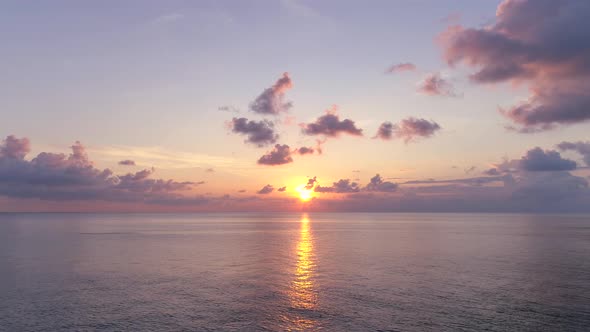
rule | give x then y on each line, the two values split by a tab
304	194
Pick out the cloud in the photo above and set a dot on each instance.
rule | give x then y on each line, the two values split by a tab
282	189
311	182
260	133
58	177
15	148
537	160
266	190
408	129
331	125
342	186
435	85
271	100
400	67
209	170
304	150
544	44
492	171
127	162
583	148
385	131
378	184
279	155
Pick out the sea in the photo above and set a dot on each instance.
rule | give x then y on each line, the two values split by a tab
294	272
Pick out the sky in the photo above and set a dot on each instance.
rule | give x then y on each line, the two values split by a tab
288	105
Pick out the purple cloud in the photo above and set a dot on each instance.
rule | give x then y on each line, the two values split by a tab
259	133
400	67
271	100
385	131
331	125
537	160
279	155
342	186
15	148
408	129
266	190
583	148
282	189
435	85
304	150
378	184
311	182
543	43
57	176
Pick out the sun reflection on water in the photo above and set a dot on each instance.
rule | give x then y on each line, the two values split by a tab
303	295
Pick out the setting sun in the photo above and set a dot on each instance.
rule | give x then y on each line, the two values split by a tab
304	194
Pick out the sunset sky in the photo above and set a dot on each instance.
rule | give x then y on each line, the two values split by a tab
238	105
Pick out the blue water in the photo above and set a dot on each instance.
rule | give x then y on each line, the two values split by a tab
280	272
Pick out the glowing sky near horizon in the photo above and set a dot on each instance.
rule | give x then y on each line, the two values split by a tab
159	82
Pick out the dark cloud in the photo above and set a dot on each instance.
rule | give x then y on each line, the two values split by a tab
266	190
385	131
537	160
260	133
282	189
400	67
378	184
311	182
279	155
435	85
331	125
342	186
583	148
544	43
57	177
127	162
304	150
408	129
271	101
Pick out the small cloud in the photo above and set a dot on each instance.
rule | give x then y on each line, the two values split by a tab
279	155
435	85
260	133
379	185
281	189
400	67
271	100
408	129
266	190
331	125
342	186
209	170
127	162
311	182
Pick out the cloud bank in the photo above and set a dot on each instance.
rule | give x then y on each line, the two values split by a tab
545	44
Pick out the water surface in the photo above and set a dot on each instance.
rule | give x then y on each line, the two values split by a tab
280	272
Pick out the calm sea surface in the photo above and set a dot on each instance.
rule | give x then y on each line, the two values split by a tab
281	272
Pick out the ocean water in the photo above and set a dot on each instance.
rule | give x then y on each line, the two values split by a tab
292	272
